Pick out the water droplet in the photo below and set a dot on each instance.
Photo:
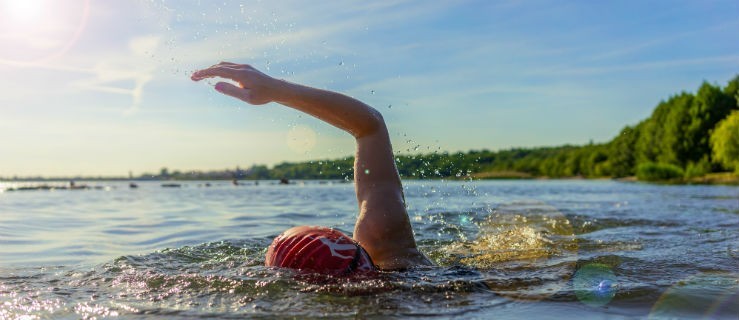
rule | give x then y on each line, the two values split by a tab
341	63
366	171
373	91
390	106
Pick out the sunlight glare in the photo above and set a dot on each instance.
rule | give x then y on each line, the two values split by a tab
24	10
34	31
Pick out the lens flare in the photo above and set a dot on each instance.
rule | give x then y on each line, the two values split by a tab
301	139
705	296
595	284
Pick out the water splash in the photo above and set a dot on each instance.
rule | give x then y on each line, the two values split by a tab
519	237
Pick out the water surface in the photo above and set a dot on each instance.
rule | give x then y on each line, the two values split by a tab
504	249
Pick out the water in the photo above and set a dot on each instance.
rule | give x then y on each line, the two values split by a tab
504	249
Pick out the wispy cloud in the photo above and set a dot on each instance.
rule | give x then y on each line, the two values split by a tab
109	74
640	46
723	60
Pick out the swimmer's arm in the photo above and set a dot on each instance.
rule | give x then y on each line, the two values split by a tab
383	227
258	88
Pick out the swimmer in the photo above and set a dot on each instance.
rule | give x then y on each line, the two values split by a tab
383	237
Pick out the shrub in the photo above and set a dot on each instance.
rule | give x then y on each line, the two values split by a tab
697	169
725	141
651	171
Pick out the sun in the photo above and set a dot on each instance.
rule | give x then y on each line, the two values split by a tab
35	31
24	10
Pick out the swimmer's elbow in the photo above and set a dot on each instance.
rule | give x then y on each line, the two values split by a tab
371	124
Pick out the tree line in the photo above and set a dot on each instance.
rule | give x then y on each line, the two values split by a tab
687	135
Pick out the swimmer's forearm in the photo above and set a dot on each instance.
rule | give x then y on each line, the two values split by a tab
257	88
339	110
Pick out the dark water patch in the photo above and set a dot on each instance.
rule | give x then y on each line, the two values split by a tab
168	223
585	224
295	216
715	197
28	242
727	210
124	231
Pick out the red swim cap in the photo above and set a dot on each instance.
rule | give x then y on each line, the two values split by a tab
318	249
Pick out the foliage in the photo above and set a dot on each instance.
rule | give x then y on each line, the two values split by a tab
725	142
650	171
622	154
697	169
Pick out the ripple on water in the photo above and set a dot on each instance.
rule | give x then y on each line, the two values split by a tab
494	257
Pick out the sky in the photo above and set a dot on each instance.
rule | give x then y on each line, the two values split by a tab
102	88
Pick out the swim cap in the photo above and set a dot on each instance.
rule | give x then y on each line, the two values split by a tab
318	249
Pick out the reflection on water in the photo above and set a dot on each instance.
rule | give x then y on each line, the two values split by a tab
504	248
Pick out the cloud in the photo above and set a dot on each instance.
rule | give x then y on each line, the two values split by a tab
726	60
144	45
125	74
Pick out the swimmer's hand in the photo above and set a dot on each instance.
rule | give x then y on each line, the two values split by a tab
254	86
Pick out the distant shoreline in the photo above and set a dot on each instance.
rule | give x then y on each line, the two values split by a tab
718	178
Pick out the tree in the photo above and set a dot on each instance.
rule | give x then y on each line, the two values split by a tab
710	106
725	142
621	154
673	146
732	88
164	173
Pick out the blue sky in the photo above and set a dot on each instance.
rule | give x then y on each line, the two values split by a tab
96	87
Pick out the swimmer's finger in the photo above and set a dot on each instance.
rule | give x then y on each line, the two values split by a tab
216	71
232	90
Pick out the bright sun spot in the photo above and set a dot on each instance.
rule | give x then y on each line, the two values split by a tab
32	31
24	10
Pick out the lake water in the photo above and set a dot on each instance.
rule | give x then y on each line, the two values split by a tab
505	249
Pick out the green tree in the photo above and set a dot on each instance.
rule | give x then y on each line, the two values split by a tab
732	88
710	106
257	172
673	147
622	154
725	142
